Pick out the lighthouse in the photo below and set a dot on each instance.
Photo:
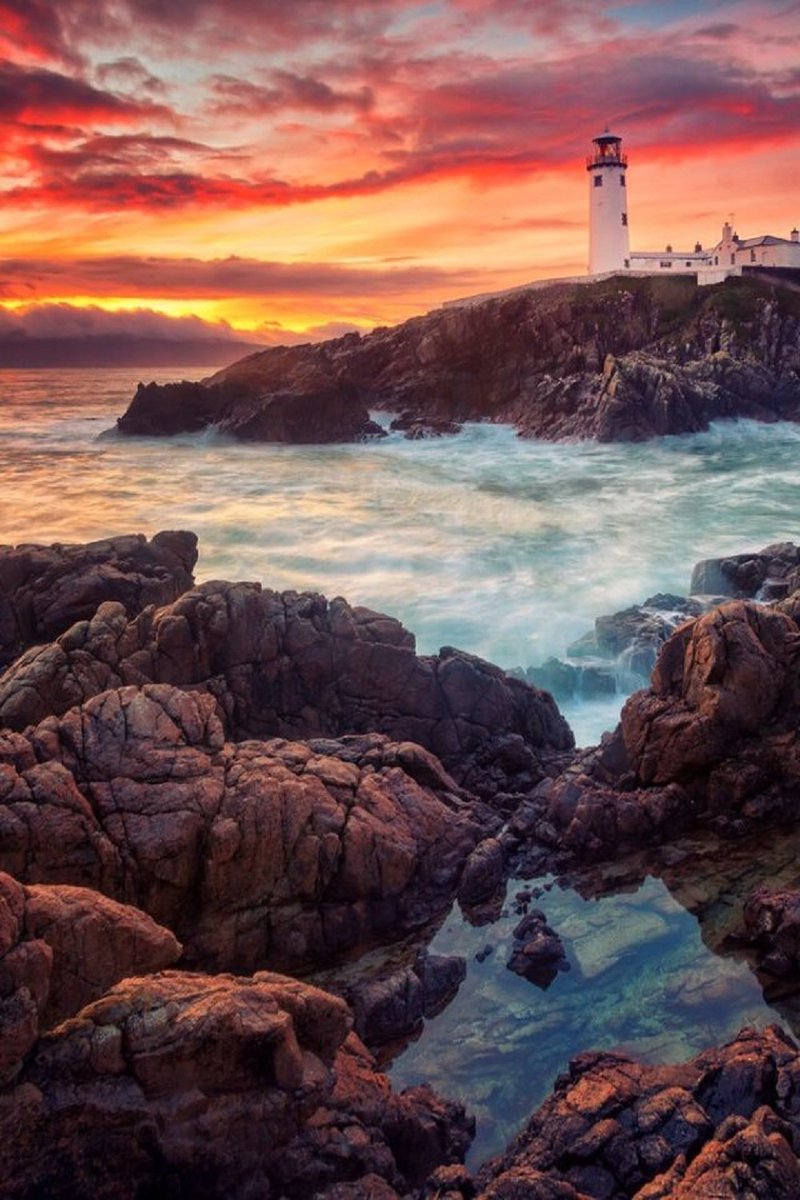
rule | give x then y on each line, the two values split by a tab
608	206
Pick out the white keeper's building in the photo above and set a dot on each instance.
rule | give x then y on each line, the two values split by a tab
609	243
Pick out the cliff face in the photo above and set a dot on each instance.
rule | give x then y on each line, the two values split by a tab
619	360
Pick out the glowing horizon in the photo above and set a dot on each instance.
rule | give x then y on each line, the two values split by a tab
306	170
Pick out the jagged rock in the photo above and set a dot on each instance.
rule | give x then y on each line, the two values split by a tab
392	1006
215	1087
280	852
299	666
415	427
46	589
565	681
297	401
636	634
621	359
159	410
775	568
61	947
723	686
537	952
772	924
483	874
714	739
722	1124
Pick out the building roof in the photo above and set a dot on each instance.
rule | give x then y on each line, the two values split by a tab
766	239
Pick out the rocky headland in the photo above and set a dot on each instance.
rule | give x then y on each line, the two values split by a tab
201	787
622	359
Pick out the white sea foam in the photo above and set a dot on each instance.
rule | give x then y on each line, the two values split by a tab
507	547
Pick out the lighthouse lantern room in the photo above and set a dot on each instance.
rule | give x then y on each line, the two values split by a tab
609	247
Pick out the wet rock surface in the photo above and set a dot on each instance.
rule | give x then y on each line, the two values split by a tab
46	589
219	1086
61	947
296	665
255	852
722	1124
245	768
393	1005
775	570
772	923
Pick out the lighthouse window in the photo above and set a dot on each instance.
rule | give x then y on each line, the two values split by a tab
622	181
624	218
598	181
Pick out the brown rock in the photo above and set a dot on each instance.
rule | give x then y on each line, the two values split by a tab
616	1129
297	666
772	925
46	589
623	359
214	1087
61	947
295	400
279	852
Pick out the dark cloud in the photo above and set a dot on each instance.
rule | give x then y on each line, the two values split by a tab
67	321
111	152
39	95
25	278
286	90
60	30
129	74
720	32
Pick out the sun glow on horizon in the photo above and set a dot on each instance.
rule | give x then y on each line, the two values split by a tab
378	161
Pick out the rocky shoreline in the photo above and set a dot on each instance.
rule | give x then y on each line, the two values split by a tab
204	786
621	359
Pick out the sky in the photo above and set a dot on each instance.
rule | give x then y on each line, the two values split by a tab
296	168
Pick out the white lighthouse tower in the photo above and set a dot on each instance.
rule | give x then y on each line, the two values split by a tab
609	248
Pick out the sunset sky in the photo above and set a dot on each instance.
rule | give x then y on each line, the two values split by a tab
308	166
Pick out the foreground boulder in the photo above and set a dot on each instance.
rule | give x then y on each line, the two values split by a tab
60	948
724	1125
46	589
714	739
216	1087
297	665
259	852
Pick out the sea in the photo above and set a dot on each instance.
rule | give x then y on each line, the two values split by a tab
508	548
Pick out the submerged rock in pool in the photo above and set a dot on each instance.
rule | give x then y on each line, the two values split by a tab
537	952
